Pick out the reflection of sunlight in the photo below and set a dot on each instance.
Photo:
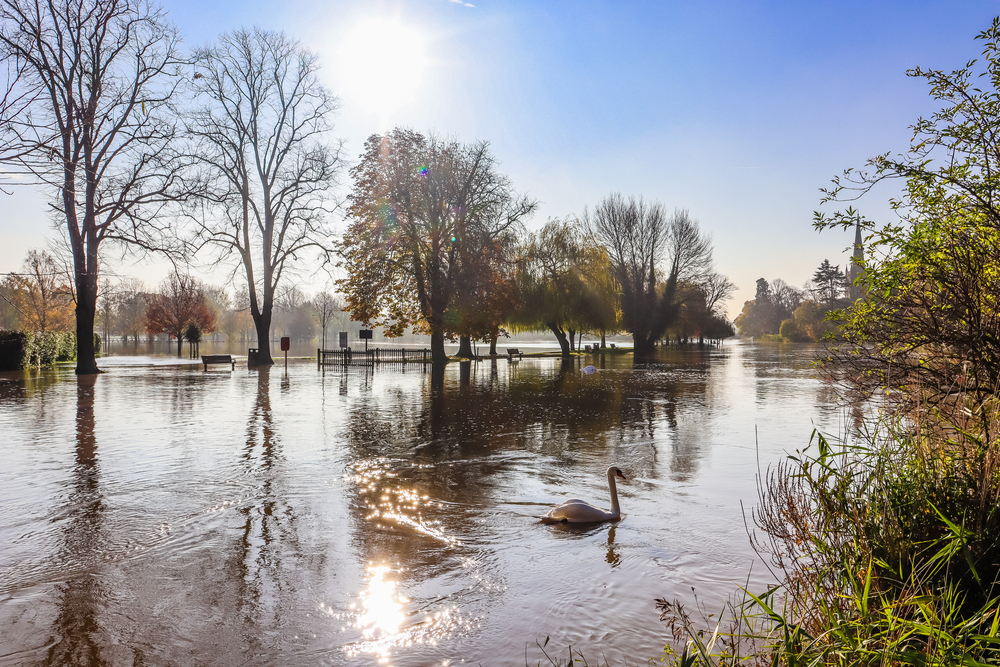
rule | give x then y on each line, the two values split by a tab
399	505
383	613
387	620
385	624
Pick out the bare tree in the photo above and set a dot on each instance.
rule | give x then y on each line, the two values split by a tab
130	313
99	128
652	253
786	297
16	98
325	305
107	301
260	136
718	288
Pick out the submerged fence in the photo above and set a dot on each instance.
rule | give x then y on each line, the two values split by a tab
349	357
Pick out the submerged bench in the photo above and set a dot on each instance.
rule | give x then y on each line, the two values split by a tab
218	359
514	352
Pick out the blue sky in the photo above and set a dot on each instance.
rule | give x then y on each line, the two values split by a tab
737	111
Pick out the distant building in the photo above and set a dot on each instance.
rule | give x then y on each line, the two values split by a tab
855	289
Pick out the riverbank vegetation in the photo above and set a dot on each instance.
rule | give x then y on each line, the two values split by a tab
886	543
782	313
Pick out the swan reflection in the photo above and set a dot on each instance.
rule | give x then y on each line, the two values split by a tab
613	558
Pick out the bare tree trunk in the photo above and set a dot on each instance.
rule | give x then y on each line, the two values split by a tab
465	347
493	343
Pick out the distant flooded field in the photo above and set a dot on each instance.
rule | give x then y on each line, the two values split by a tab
160	514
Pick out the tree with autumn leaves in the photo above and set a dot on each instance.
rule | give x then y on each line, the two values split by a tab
41	294
179	302
428	222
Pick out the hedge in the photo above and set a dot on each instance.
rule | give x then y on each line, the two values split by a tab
41	349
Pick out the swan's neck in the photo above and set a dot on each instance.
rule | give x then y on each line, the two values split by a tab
615	509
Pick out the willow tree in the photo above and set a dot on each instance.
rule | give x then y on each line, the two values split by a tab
261	141
567	284
94	84
418	206
652	254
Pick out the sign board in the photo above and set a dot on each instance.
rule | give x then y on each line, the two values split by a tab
365	334
286	343
343	339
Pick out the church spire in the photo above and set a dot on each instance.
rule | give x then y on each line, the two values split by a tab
854	291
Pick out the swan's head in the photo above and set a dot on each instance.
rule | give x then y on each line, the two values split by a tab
618	473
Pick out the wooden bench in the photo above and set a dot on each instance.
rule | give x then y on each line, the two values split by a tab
218	359
514	352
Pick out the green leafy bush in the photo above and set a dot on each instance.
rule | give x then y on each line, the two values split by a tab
26	349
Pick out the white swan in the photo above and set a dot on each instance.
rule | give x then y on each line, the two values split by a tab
579	511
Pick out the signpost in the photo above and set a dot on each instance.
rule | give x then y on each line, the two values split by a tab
285	344
365	335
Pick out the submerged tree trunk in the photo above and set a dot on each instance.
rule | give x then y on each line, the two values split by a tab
493	343
262	323
643	345
86	355
437	347
561	337
572	339
604	342
465	347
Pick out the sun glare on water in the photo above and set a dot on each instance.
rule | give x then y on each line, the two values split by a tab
382	64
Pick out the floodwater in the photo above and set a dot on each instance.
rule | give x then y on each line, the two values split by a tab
159	514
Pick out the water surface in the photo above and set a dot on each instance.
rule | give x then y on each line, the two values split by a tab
160	514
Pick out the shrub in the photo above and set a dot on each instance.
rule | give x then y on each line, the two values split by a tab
26	349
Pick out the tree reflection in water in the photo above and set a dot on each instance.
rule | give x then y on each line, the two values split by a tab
269	525
266	505
427	473
77	641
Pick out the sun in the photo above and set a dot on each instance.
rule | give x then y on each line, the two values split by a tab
383	63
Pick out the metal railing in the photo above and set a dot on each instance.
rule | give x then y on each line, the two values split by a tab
349	357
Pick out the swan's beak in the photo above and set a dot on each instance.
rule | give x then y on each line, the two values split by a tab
619	473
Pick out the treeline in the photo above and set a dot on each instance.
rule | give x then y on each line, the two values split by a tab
153	150
437	244
781	312
40	299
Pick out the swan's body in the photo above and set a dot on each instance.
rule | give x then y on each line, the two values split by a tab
580	511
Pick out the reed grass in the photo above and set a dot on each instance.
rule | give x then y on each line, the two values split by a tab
887	549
